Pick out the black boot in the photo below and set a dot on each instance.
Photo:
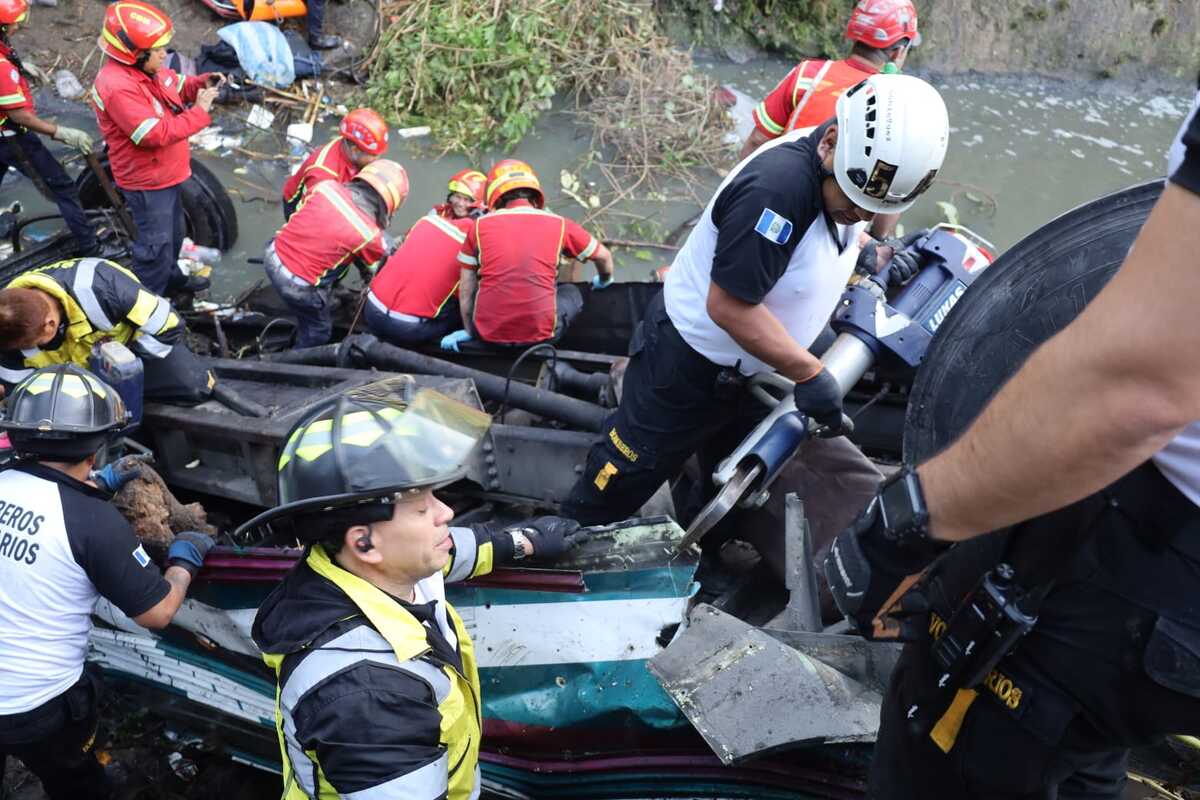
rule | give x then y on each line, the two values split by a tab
323	41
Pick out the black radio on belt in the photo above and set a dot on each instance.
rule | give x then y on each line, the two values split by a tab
982	631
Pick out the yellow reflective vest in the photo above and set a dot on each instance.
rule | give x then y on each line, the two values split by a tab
101	301
373	628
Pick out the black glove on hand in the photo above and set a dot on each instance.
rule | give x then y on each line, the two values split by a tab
189	550
550	536
873	563
903	264
820	397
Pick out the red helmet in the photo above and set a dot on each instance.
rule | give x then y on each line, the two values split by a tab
388	179
366	129
132	27
13	11
882	23
470	182
512	174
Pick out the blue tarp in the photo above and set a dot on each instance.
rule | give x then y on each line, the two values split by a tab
262	51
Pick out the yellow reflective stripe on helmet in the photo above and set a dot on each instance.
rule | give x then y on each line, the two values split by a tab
141	130
113	41
78	386
96	99
163	40
359	428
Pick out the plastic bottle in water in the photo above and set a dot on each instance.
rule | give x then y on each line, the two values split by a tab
205	255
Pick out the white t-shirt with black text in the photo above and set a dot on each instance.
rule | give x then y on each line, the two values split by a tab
62	546
765	239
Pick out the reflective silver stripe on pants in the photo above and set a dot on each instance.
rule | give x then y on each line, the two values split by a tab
158	318
151	346
425	783
85	293
465	553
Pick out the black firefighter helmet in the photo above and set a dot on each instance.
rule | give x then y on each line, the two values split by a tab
371	443
62	412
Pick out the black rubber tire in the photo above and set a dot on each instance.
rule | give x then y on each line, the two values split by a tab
208	209
1030	293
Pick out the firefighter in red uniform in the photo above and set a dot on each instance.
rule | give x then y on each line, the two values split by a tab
508	288
882	32
141	106
466	196
364	138
414	297
20	146
339	224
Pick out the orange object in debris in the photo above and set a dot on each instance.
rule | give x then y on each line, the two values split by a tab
271	9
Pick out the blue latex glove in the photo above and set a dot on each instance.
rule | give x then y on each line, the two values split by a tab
599	282
188	550
113	477
451	341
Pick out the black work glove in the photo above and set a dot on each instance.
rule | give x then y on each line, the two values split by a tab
874	572
551	537
113	477
820	397
903	264
189	550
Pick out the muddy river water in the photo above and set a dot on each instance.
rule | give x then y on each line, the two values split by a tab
1022	151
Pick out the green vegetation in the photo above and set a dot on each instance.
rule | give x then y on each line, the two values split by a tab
480	74
795	29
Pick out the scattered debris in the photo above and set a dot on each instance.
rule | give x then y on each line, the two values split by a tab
211	139
67	85
260	117
155	514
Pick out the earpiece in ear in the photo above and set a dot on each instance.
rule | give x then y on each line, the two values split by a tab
364	545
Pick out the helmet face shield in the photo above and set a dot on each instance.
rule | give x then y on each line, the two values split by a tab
385	437
431	437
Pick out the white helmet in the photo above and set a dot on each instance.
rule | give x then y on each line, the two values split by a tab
892	136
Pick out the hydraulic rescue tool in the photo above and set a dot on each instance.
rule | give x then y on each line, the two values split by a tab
870	326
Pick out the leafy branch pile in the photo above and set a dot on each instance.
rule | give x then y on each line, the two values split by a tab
480	72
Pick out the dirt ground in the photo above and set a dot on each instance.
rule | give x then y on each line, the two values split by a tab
64	37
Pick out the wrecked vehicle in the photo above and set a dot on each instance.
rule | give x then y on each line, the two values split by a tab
627	686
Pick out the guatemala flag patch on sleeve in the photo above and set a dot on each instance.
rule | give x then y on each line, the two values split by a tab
140	556
774	227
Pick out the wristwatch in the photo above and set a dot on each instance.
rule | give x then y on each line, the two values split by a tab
902	511
520	537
